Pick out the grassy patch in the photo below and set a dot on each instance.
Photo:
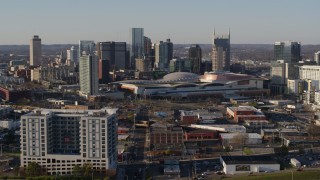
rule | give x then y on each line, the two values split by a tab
15	154
305	175
247	151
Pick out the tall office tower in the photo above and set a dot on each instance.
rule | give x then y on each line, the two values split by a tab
195	57
317	57
112	55
147	46
168	52
152	56
88	70
221	52
287	51
72	55
59	139
284	66
62	58
137	45
35	51
86	47
158	54
163	54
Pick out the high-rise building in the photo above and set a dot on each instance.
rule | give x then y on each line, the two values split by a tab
112	55
287	51
317	57
142	65
59	139
284	66
72	55
35	51
86	47
147	46
195	57
163	54
179	65
88	72
137	45
158	54
221	52
168	52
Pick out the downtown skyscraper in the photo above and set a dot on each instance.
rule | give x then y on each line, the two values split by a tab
317	57
163	54
221	52
195	57
287	51
285	65
137	45
88	72
112	56
35	51
86	47
72	55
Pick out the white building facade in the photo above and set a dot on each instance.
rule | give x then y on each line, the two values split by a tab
310	73
60	139
247	164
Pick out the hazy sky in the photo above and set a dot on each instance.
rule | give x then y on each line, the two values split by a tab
184	21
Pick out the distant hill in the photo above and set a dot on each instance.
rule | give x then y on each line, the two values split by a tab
24	49
261	52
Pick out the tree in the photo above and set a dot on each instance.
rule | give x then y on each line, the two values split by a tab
77	170
301	149
239	139
9	138
247	151
33	169
313	130
87	169
282	151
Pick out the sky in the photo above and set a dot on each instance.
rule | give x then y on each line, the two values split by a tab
183	21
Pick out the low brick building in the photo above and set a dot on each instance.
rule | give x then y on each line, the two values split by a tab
165	135
243	113
13	95
200	135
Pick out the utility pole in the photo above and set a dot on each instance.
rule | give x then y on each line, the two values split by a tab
1	150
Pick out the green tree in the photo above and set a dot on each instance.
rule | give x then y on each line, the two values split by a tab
87	169
282	151
33	169
301	149
77	170
313	130
9	138
247	151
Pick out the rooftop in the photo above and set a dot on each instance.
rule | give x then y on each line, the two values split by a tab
248	160
243	108
66	112
231	135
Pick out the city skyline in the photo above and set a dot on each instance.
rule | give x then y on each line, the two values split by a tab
187	22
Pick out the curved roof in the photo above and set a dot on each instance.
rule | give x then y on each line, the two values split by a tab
169	78
225	76
180	76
